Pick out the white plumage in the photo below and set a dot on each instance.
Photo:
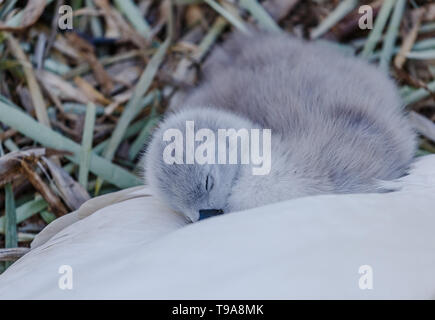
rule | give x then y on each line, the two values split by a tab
303	248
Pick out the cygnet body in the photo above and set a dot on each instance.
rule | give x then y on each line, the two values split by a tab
336	121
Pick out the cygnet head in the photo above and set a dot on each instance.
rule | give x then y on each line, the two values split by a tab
193	189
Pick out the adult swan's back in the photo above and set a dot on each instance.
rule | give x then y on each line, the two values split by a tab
304	248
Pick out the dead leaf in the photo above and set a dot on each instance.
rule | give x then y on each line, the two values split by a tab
12	254
90	91
57	86
429	15
115	20
10	164
72	193
194	15
54	203
31	14
87	52
409	39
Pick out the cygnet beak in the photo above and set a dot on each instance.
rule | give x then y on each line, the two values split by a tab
208	213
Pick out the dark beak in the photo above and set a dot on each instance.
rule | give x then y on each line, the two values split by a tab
208	213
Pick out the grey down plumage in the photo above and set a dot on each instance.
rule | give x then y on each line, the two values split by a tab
337	125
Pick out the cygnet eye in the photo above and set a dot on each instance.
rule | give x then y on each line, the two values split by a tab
209	183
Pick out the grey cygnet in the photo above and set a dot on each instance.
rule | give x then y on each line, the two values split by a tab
337	126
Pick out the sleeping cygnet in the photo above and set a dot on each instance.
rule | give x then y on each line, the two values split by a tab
336	126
